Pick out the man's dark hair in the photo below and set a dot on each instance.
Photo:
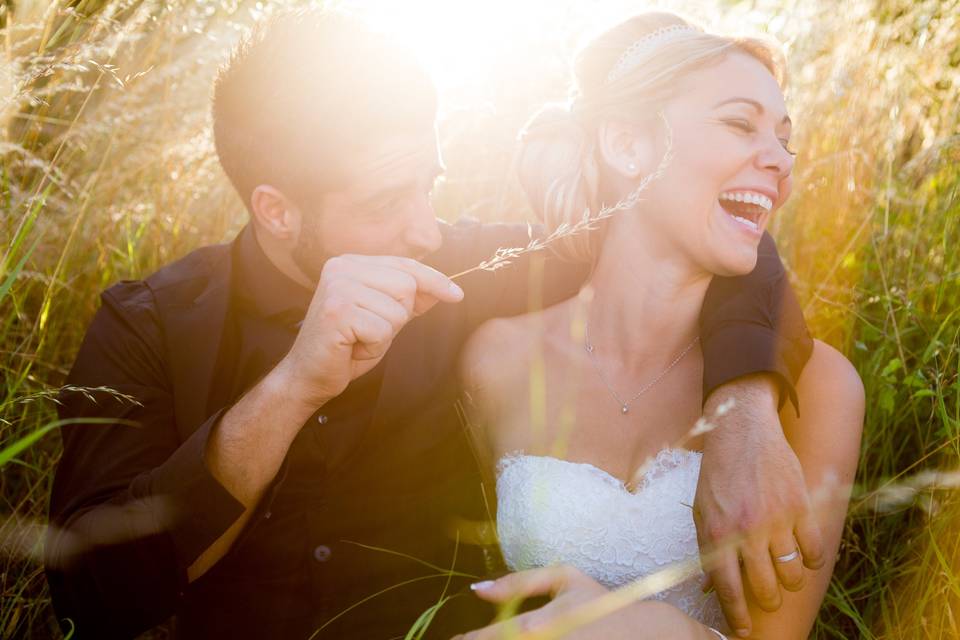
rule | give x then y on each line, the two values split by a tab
306	91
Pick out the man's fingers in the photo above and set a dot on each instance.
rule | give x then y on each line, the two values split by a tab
431	285
810	541
379	303
729	588
369	334
761	575
789	571
526	584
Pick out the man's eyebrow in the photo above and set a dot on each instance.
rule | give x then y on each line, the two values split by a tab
753	103
382	195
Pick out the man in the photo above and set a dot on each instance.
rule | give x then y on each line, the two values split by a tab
297	467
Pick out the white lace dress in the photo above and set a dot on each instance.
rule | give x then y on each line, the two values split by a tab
552	511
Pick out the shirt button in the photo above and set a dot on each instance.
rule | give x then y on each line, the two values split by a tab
322	419
322	553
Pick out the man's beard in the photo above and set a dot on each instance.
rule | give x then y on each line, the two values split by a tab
308	253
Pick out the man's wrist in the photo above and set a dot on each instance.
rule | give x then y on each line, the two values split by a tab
759	390
741	407
285	381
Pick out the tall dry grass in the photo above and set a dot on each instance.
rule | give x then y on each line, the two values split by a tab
108	172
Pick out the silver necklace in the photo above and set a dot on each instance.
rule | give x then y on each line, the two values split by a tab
625	404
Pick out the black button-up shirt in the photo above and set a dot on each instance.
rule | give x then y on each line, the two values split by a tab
355	534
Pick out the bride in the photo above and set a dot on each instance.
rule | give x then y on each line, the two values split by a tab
595	386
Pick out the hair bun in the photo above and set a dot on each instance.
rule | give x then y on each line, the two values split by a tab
558	172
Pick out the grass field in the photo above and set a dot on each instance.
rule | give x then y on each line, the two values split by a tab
108	172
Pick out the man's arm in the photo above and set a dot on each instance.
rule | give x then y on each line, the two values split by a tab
136	514
755	344
132	505
749	324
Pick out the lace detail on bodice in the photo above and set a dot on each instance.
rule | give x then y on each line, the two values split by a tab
552	511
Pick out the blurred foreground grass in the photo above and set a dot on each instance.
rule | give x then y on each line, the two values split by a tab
108	172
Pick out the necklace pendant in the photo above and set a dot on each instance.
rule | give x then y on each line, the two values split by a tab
624	409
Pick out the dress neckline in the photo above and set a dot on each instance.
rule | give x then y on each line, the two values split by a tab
668	454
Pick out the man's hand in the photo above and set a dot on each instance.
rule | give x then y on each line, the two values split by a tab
360	305
752	491
572	590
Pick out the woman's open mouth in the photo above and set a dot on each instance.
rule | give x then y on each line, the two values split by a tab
748	208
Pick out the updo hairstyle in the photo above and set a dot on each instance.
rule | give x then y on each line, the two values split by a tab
558	163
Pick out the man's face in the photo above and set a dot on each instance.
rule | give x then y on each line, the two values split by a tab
383	208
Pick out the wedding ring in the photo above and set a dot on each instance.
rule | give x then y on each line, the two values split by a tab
788	557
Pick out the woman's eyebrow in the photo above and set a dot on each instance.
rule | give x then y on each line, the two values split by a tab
753	103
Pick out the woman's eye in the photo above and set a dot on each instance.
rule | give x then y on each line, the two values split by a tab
742	125
786	147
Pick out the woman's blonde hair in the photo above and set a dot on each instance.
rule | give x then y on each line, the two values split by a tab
558	164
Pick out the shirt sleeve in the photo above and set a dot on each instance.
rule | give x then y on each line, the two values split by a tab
525	283
133	503
754	324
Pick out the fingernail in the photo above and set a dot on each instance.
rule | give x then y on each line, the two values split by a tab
456	290
480	586
743	633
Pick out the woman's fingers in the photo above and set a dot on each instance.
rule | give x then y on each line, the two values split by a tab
526	584
504	629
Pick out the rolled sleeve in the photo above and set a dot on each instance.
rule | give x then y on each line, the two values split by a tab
200	509
133	503
754	324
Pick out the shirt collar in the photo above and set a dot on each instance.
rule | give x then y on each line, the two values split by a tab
264	288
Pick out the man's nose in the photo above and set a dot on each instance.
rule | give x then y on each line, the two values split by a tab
423	230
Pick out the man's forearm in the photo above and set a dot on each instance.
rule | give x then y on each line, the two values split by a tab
247	448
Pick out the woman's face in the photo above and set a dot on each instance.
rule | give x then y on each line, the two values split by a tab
731	165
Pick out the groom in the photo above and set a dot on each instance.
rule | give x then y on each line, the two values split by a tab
296	463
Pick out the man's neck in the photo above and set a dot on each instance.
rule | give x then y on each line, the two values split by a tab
280	257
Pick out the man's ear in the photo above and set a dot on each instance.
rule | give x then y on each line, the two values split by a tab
627	148
274	212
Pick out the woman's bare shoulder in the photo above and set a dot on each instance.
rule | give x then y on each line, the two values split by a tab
830	379
831	403
498	349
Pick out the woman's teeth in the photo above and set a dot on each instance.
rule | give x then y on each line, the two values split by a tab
747	223
751	197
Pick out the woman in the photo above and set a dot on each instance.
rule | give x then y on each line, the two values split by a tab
596	385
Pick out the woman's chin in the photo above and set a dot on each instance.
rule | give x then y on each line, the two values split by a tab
735	263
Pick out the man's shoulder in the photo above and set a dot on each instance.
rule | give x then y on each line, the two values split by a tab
180	281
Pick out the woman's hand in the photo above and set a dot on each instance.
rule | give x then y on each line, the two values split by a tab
571	590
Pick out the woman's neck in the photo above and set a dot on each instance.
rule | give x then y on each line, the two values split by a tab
645	299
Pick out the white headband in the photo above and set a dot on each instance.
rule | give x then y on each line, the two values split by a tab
645	45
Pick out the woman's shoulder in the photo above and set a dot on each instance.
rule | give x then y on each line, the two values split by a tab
828	374
830	391
498	347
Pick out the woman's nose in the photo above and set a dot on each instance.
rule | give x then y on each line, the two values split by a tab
776	159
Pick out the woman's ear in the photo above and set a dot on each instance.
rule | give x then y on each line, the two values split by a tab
274	213
627	148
